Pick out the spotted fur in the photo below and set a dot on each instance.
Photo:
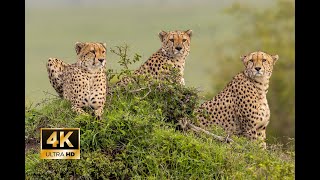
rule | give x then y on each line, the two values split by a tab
173	53
241	108
84	82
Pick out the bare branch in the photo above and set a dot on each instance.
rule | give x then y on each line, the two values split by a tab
219	138
146	93
137	90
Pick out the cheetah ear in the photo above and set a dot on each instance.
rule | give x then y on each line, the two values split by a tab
104	45
243	57
275	58
189	32
78	47
162	34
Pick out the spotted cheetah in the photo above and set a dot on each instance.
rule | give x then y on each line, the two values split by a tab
241	108
84	82
173	53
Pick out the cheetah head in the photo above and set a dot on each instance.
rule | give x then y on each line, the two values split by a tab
259	64
175	43
91	55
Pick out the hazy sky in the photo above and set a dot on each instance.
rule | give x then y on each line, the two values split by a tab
59	3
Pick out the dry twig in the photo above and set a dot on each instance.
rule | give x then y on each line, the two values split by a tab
186	124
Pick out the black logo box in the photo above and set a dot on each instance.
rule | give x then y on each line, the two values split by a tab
74	138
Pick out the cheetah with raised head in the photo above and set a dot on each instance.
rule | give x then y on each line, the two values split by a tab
241	108
173	52
84	82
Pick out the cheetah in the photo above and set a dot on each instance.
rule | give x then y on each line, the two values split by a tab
82	83
173	53
241	108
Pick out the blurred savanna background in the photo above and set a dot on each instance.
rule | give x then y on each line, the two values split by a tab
222	32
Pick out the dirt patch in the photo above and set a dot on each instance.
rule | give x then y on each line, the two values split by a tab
31	144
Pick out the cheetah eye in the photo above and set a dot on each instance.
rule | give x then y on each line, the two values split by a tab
103	52
171	40
263	60
251	60
184	40
92	51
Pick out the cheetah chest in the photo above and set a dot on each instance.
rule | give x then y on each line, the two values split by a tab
264	112
178	64
95	91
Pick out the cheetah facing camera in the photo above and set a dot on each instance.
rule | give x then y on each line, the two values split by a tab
173	53
241	108
84	82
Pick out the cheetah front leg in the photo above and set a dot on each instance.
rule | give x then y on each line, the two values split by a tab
75	95
98	113
99	105
98	94
78	110
254	136
262	137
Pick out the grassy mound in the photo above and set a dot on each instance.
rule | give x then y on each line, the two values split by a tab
137	138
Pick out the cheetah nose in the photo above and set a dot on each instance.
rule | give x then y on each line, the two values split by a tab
101	60
258	68
178	48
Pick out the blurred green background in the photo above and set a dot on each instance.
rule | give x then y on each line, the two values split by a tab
222	31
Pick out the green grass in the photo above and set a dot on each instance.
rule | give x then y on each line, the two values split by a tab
137	139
